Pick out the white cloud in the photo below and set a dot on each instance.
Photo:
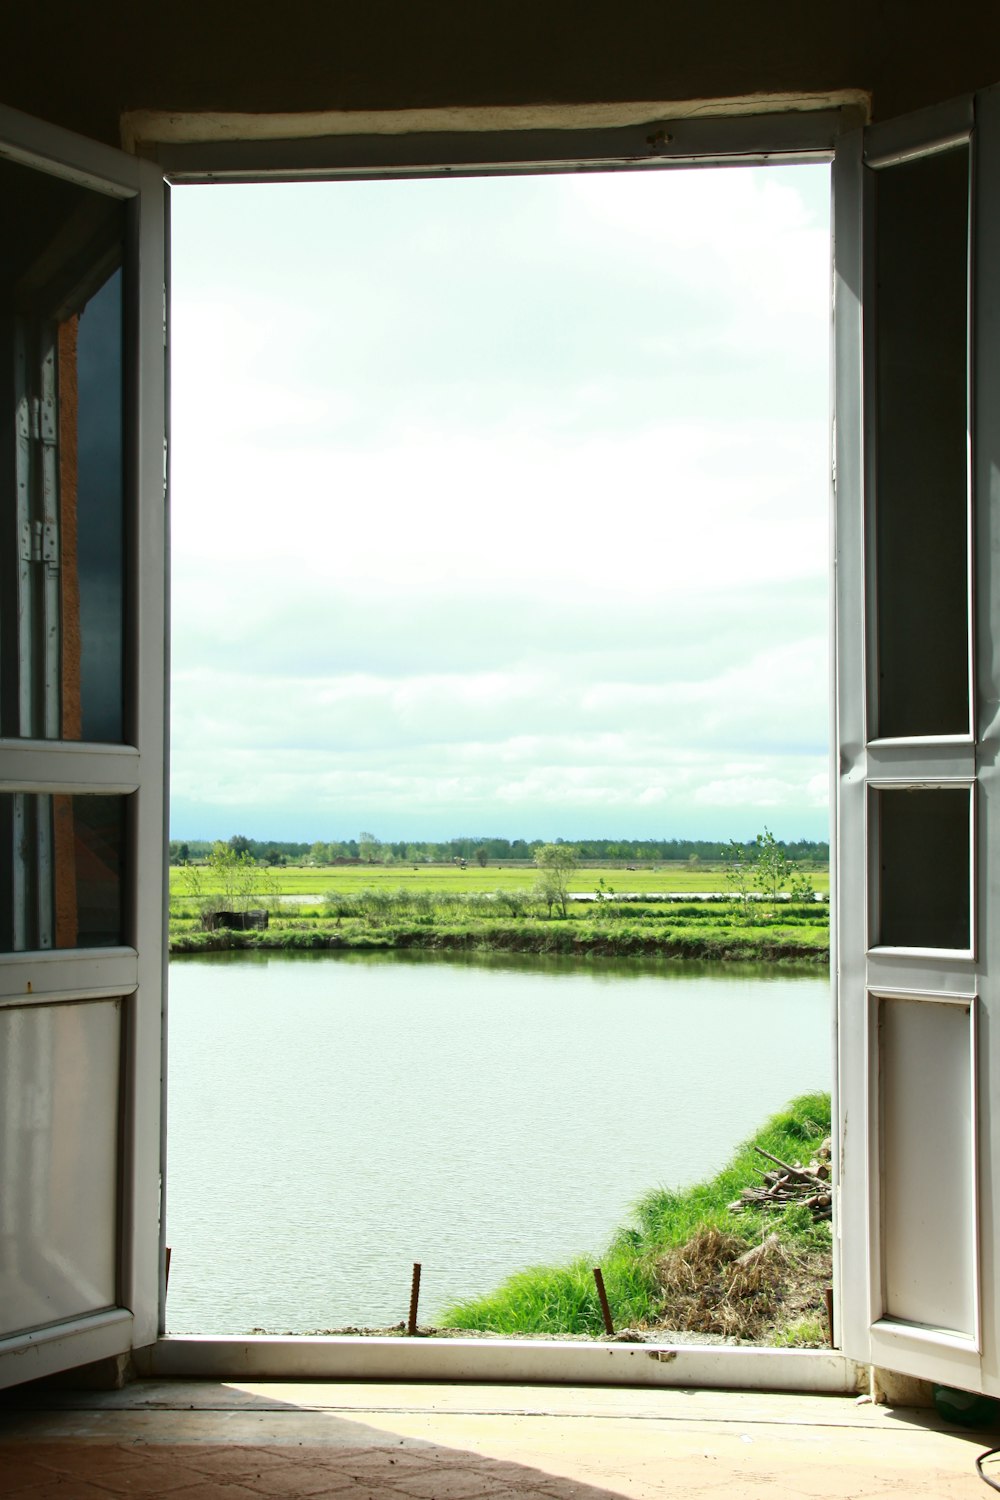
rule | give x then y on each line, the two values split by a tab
744	791
512	497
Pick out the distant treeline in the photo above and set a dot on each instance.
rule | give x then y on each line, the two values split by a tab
369	850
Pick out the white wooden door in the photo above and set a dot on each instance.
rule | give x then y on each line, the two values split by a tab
917	878
82	600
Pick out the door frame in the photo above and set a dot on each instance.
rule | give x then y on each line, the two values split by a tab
195	150
653	136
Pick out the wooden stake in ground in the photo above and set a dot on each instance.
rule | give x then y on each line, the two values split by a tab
411	1326
602	1296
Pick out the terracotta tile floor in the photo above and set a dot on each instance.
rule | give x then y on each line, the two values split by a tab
236	1441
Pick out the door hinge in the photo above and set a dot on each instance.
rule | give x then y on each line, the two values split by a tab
39	542
36	419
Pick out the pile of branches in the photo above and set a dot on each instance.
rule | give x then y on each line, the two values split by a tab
785	1184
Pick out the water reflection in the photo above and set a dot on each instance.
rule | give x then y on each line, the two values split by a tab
597	967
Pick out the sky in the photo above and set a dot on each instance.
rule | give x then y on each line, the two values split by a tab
500	507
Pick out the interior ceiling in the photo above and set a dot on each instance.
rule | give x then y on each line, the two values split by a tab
82	65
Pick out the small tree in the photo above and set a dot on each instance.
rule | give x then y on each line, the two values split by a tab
554	863
772	867
481	857
243	881
764	867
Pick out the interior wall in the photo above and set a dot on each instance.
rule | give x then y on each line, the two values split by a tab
83	65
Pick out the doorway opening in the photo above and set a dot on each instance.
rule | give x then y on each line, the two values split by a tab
521	486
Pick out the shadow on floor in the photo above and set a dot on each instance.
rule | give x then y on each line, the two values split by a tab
352	1460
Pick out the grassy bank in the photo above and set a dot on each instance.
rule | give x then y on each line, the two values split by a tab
528	937
678	933
687	1263
448	922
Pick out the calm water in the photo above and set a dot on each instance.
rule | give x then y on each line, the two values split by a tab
335	1118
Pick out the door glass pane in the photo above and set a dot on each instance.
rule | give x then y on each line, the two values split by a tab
61	871
100	500
61	460
921	466
59	1126
924	874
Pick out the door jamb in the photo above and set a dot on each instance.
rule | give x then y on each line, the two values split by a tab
207	149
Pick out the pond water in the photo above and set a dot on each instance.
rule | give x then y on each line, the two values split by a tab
333	1118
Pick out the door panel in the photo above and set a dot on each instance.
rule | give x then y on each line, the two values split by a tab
82	502
926	1161
918	967
60	1114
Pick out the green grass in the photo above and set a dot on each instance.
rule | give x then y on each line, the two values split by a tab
667	1219
385	913
297	880
721	939
559	1300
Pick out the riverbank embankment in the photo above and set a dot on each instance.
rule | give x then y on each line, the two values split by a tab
735	947
697	930
687	1263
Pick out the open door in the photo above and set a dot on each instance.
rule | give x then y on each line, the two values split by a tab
82	600
917	312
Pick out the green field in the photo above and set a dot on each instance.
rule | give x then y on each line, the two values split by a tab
496	909
295	880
